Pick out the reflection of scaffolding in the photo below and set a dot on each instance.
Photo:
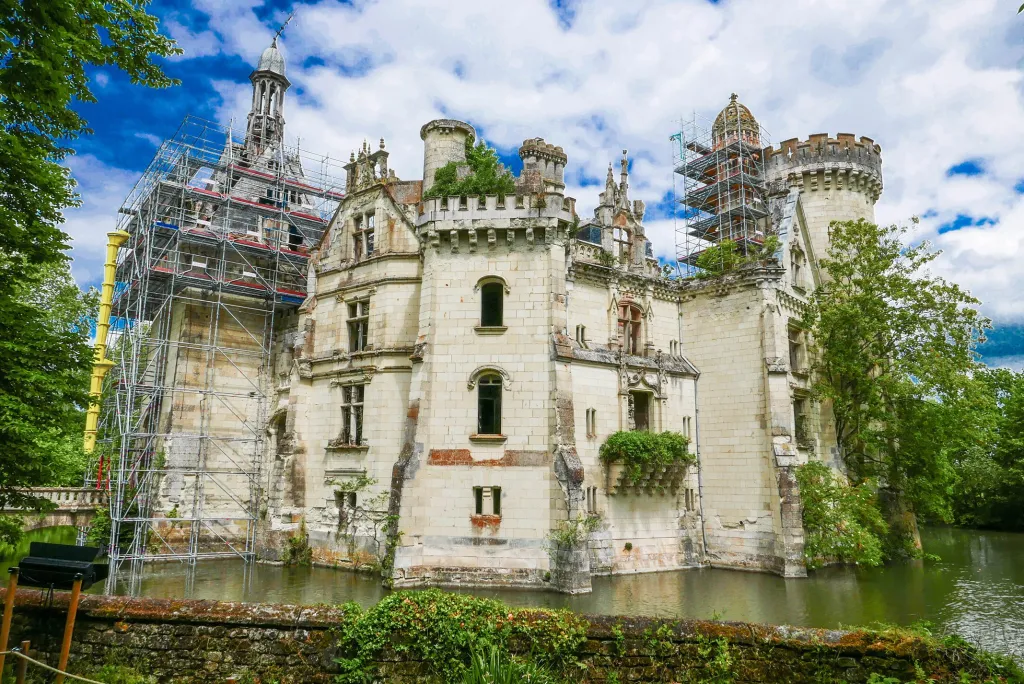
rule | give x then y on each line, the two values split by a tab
721	178
220	239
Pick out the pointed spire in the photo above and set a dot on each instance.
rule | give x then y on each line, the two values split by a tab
624	179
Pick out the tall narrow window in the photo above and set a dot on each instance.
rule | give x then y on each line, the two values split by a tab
581	335
489	405
800	422
797	362
640	410
369	233
491	305
358	325
620	243
591	422
352	413
630	320
357	238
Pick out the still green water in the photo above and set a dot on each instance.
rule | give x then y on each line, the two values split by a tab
975	590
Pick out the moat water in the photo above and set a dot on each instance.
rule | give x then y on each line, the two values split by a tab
976	590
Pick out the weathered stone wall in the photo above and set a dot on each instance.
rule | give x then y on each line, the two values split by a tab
209	641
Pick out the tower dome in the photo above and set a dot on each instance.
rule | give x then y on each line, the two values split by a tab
735	121
271	60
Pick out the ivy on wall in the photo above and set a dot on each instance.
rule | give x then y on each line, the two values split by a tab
487	175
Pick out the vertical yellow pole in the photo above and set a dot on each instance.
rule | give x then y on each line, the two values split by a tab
69	628
22	668
102	364
5	631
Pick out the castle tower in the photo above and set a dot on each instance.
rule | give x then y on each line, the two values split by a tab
444	141
265	127
840	179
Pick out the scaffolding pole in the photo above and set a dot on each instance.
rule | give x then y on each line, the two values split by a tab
218	247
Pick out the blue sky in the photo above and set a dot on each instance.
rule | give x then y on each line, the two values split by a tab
938	83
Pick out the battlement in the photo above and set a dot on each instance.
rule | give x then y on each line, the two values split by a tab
823	153
538	149
553	205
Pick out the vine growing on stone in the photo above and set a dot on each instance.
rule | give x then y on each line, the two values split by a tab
487	175
639	450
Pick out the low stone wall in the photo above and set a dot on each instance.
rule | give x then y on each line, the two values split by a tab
208	641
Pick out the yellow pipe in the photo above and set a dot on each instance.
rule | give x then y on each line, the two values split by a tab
102	364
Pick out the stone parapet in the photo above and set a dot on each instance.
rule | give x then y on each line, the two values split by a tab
843	160
177	640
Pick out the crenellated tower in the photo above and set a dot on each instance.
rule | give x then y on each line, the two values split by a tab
265	127
444	141
839	178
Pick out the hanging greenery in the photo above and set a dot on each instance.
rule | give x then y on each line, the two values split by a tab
639	450
487	175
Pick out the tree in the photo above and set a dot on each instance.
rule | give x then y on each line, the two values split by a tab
487	175
895	349
46	46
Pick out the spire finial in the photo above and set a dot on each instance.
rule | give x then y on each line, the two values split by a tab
281	30
733	97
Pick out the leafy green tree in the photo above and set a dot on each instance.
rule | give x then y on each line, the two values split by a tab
487	175
45	49
895	350
989	457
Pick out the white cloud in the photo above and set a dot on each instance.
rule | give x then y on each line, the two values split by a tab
933	81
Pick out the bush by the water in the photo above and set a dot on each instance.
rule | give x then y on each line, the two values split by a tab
445	630
842	522
637	449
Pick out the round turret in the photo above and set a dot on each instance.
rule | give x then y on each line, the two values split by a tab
444	141
840	179
733	122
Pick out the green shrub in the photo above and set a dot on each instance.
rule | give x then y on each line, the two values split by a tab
495	668
444	630
637	449
842	523
487	176
298	551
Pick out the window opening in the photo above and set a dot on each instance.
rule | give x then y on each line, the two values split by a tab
358	325
489	405
352	413
620	243
630	319
591	422
487	500
581	335
369	234
800	422
639	410
491	305
796	351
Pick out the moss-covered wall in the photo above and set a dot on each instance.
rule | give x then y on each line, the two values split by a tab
208	641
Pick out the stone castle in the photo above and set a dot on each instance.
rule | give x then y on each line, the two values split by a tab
439	398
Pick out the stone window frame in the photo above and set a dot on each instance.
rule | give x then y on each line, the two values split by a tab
581	336
487	285
591	423
480	494
797	268
353	412
364	232
505	384
357	323
591	500
636	348
652	413
622	240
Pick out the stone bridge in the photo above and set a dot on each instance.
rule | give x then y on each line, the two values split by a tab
76	506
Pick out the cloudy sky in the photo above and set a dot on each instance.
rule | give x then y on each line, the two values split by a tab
938	83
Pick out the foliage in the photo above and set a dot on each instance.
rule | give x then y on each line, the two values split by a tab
370	518
119	674
895	347
45	361
443	630
715	652
640	449
487	176
987	457
298	551
726	256
842	523
10	533
574	532
493	668
45	49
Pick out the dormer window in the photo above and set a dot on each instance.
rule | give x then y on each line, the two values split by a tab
363	234
620	243
630	321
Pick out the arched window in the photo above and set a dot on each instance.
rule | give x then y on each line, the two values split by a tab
630	320
489	405
492	297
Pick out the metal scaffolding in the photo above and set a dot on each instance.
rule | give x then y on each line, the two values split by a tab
720	187
220	234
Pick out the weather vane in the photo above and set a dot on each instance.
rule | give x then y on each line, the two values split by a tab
281	30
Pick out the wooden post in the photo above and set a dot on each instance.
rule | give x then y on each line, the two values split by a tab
5	630
69	628
22	668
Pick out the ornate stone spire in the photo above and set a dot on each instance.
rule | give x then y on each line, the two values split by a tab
265	127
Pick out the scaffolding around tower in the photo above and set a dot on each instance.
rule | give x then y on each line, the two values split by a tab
218	253
720	186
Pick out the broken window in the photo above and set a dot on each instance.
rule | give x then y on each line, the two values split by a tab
620	243
796	259
357	238
491	305
358	325
630	320
352	413
489	405
797	360
369	234
294	237
487	500
801	426
639	410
